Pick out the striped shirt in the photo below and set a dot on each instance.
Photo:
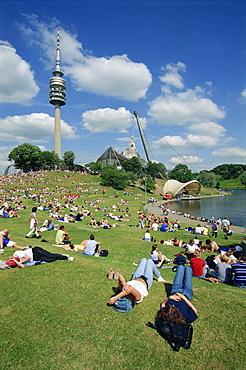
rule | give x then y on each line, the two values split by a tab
239	271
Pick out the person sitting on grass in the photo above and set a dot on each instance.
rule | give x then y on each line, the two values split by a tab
212	245
157	257
148	237
135	290
198	265
89	247
238	270
222	271
190	249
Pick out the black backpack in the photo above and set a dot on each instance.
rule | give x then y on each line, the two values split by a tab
177	335
104	253
210	261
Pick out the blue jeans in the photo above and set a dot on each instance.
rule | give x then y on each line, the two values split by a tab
239	285
182	282
146	268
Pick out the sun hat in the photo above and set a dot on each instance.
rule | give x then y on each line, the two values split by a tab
123	305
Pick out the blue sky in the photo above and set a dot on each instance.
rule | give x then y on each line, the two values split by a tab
179	64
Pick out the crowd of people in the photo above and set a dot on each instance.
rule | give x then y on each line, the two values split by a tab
226	265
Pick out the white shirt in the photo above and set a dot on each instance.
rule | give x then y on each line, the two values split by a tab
155	226
21	254
140	287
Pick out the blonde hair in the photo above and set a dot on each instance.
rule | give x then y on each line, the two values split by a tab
224	258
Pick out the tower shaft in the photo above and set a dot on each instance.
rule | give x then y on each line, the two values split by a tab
57	131
57	97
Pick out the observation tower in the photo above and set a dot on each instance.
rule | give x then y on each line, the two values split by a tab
57	97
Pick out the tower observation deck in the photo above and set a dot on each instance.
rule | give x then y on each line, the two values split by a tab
57	97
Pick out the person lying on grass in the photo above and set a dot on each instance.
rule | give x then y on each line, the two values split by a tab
5	241
134	291
39	254
177	307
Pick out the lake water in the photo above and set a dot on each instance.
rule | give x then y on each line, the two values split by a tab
233	206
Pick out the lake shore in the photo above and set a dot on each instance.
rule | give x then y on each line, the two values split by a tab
155	208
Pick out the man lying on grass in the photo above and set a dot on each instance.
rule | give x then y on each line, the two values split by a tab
21	258
136	290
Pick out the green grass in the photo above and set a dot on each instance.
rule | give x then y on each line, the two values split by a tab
55	316
231	183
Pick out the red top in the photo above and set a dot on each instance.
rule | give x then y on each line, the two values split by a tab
197	265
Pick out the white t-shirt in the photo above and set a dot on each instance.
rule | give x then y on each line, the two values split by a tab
155	226
140	287
90	247
147	236
192	248
21	254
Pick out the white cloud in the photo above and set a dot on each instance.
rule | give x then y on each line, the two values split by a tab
243	96
187	158
184	108
231	154
172	76
107	119
115	76
17	83
192	142
205	128
35	128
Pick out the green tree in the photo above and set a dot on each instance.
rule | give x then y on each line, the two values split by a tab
95	166
156	170
181	173
68	158
133	165
118	179
243	178
49	160
207	179
229	171
149	183
27	157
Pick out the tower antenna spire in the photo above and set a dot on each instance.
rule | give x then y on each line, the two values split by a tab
57	96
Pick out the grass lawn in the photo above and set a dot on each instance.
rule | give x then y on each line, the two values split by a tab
54	316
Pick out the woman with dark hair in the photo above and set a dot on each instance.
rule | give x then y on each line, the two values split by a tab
177	307
135	290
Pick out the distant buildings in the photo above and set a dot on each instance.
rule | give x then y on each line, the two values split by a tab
111	157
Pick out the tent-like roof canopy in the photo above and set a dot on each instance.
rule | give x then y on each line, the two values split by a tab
111	157
175	187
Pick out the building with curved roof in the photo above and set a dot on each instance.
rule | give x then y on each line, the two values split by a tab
175	187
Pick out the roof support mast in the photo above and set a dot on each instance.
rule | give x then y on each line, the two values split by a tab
142	137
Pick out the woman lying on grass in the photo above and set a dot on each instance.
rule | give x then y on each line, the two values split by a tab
136	290
177	312
177	307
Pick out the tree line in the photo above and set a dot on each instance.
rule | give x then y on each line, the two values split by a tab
28	157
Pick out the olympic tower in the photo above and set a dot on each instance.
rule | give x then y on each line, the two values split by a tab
57	97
